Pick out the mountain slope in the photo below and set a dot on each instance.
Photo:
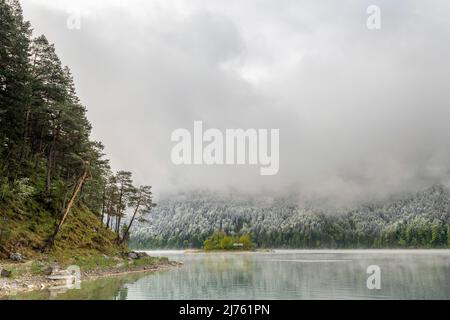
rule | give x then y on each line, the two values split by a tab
420	220
26	226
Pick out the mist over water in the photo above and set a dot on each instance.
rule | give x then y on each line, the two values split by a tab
284	274
297	274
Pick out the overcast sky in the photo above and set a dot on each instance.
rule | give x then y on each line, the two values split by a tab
361	113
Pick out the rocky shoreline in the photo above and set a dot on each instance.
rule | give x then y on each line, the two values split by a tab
54	277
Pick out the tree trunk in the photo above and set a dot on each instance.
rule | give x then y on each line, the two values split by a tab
119	210
51	241
131	222
119	220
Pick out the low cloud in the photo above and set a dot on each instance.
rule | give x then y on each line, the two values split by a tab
362	113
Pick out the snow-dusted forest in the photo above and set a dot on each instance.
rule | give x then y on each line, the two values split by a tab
184	221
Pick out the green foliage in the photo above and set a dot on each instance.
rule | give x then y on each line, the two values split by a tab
149	261
20	189
246	241
45	145
37	268
27	226
92	262
448	236
221	241
226	243
44	132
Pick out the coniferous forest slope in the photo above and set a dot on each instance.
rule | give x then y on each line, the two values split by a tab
58	194
417	221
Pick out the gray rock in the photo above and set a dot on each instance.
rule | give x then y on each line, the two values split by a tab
5	273
133	255
47	271
16	257
142	254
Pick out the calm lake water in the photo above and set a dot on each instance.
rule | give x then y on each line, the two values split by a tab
282	274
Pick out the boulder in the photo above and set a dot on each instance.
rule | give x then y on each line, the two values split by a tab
47	271
133	255
16	257
142	254
136	255
5	273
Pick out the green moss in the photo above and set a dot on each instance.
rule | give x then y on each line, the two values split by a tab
37	268
88	263
17	272
149	261
25	228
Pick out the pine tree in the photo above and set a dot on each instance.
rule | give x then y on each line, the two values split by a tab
125	185
142	201
14	84
45	146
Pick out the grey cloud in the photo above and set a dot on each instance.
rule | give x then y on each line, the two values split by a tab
362	113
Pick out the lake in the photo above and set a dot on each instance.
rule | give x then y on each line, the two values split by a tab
281	274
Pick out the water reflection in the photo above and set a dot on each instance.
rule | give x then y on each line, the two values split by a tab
301	275
113	288
283	275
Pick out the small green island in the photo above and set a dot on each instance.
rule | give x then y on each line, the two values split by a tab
220	241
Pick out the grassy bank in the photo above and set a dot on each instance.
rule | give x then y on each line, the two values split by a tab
31	275
25	228
83	241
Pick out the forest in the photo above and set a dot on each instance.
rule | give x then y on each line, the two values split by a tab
49	165
418	220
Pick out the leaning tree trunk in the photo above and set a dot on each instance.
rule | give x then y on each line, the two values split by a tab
51	241
119	211
131	222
